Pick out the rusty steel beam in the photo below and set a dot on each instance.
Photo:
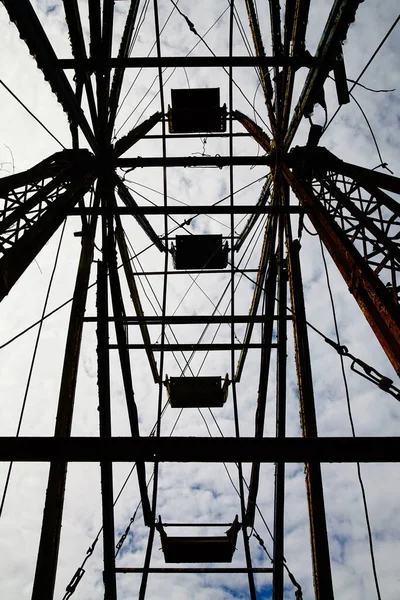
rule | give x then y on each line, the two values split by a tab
368	178
139	319
22	210
262	200
59	168
210	347
19	257
153	62
281	383
265	361
23	15
136	134
255	131
267	254
77	40
46	566
192	161
213	209
265	79
123	53
130	202
296	17
323	586
134	293
277	49
370	293
341	16
121	334
48	167
267	257
358	215
202	449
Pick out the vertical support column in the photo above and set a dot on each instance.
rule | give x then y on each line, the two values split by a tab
123	351
150	541
266	338
46	565
315	496
279	507
250	575
103	380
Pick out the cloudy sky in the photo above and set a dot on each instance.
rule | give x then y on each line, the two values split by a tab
196	493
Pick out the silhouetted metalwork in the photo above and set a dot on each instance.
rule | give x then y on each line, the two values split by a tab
349	206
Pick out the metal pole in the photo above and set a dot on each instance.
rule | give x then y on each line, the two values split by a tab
279	507
103	379
315	496
46	566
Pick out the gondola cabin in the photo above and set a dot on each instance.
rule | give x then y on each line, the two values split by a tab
197	392
210	549
196	110
206	251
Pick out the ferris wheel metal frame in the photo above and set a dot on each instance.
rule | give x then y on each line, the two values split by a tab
349	206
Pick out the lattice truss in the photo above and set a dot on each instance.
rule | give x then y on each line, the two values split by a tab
26	198
369	218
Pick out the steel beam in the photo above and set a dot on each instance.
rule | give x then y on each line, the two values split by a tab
267	253
212	209
130	202
255	131
137	133
202	450
193	347
341	16
191	320
192	161
133	415
370	293
187	61
73	19
20	256
135	297
316	507
265	360
368	178
123	53
31	31
262	200
264	75
296	17
280	427
204	570
46	566
276	35
51	166
103	382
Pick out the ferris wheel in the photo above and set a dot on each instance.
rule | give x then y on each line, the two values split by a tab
199	276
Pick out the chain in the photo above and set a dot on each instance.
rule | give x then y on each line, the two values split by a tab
370	373
126	532
71	587
298	593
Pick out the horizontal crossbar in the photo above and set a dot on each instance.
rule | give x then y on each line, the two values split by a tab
214	209
201	449
187	61
192	570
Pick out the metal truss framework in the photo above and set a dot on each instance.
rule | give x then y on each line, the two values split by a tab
349	206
